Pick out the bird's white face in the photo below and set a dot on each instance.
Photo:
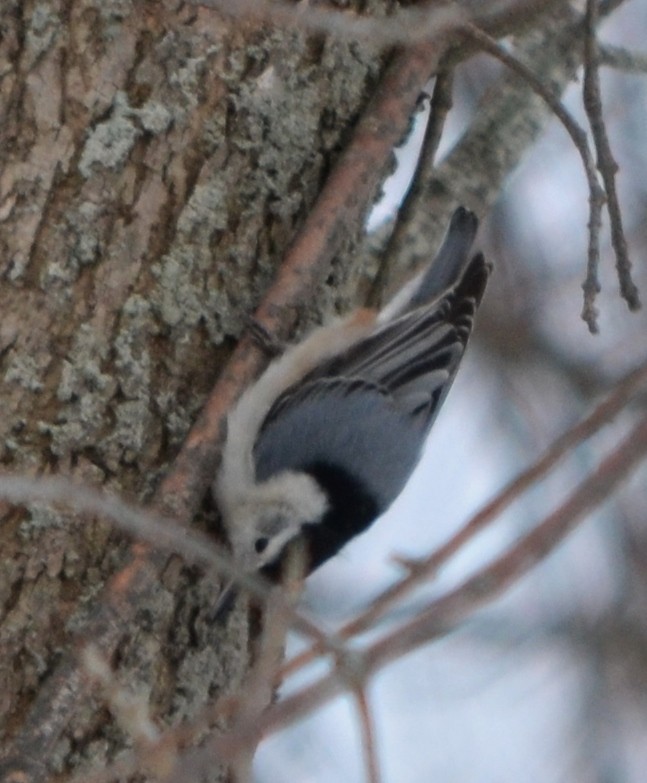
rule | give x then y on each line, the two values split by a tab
271	515
262	533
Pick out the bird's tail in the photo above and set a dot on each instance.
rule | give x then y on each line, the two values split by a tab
444	272
449	264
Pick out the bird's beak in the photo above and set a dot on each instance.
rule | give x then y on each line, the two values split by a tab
224	603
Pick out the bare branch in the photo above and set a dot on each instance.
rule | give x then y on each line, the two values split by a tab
369	744
606	163
578	136
407	26
508	119
622	59
441	103
259	685
404	27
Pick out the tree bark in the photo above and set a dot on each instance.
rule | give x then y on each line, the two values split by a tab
156	160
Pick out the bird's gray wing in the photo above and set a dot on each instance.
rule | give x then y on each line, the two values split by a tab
415	357
349	424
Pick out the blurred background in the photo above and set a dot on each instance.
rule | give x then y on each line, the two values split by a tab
549	683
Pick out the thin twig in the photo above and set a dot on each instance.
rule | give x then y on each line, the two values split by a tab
403	27
440	105
578	136
622	59
369	745
426	568
259	684
606	163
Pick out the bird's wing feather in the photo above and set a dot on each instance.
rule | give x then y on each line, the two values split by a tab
416	354
349	424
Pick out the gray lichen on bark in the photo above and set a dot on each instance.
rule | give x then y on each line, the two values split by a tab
154	170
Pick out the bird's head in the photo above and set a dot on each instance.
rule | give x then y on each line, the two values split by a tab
270	515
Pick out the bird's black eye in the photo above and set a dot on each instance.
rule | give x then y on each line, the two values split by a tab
260	545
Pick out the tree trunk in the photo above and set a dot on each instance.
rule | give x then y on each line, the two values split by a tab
156	160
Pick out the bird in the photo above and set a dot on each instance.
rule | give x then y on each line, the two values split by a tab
327	437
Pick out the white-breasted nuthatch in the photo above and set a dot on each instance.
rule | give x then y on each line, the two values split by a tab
328	436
